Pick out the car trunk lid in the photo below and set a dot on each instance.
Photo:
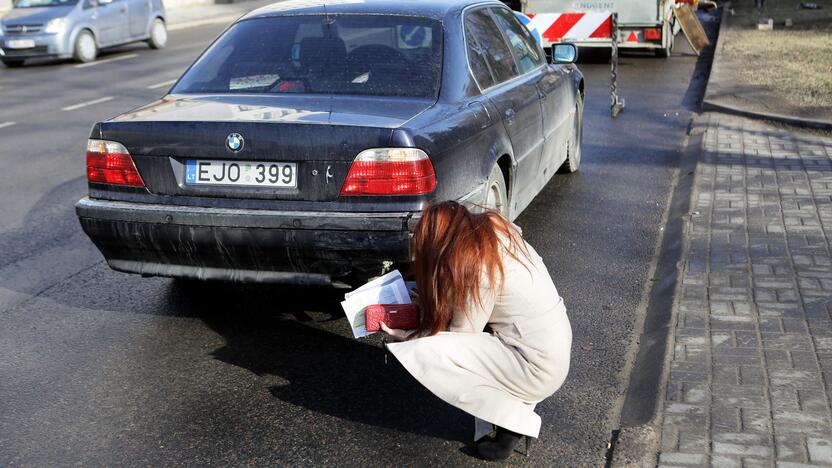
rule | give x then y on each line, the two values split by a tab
320	135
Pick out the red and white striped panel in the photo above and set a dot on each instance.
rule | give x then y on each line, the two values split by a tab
558	27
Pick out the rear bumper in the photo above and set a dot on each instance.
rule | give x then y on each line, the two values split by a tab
621	45
244	245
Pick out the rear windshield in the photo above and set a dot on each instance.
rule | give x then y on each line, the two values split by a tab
315	54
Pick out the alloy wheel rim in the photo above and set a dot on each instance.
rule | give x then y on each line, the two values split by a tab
495	198
87	47
160	34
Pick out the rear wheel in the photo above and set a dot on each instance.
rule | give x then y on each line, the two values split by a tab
158	35
573	155
86	50
496	197
664	52
13	63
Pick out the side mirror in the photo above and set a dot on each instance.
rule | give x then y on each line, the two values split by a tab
564	53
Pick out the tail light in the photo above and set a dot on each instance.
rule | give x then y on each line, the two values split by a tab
390	171
109	162
653	34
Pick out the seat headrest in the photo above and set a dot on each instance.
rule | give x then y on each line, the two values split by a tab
322	50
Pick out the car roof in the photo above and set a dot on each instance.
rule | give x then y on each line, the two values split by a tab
429	8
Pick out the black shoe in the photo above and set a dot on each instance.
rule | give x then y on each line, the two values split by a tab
500	446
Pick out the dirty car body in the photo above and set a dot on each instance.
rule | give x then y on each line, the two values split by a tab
303	144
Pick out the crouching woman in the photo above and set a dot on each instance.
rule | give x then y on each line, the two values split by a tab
494	338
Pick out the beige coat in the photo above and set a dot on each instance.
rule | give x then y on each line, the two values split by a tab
500	376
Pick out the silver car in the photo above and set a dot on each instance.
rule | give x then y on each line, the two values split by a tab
78	29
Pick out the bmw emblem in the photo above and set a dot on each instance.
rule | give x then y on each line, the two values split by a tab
235	142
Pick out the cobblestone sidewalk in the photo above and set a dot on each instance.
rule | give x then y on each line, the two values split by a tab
751	371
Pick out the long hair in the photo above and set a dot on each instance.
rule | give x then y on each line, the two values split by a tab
455	251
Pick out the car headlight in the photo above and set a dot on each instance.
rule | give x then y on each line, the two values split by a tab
55	26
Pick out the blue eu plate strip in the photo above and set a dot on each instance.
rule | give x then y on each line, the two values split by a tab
190	172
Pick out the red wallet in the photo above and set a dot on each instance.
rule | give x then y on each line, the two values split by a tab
395	316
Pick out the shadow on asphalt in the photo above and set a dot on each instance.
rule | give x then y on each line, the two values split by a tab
53	211
699	81
277	331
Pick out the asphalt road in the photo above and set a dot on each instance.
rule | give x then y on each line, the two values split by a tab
103	368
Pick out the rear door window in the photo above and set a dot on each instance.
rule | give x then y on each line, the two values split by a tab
316	54
489	47
477	58
526	49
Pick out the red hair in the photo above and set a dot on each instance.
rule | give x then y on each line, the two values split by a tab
455	251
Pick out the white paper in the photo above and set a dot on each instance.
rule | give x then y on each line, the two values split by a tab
387	289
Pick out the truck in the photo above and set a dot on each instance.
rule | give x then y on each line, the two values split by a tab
642	24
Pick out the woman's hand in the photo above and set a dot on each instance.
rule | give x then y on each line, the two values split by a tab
395	334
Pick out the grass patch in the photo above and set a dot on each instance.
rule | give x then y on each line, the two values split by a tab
794	64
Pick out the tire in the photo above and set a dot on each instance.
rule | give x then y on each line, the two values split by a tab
158	35
85	49
573	149
664	52
496	195
13	63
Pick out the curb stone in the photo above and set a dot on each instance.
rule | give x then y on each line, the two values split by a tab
711	103
641	410
641	429
786	119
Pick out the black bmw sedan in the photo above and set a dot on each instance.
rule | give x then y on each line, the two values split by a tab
304	142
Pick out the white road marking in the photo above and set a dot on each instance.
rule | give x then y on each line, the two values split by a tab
88	103
101	62
162	84
7	124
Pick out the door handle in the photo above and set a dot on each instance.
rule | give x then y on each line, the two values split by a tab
124	9
541	94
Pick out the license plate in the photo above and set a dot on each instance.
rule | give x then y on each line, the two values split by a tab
20	44
241	173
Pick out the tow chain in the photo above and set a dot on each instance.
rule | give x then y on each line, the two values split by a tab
617	104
